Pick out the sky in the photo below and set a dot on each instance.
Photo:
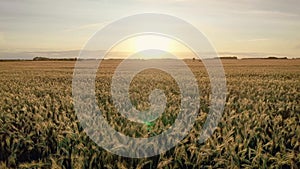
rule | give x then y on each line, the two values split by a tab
243	28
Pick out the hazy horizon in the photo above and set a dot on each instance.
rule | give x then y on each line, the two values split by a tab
121	54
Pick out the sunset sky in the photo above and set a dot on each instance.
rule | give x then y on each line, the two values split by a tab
244	28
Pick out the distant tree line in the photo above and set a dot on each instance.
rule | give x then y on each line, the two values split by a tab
273	57
224	57
53	59
228	57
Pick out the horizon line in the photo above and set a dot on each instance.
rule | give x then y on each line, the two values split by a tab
198	59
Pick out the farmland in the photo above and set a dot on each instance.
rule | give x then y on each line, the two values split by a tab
259	128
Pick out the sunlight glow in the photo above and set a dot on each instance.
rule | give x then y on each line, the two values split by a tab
145	42
141	43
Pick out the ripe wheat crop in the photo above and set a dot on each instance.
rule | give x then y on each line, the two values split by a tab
259	128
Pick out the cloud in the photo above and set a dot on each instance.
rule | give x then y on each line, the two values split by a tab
254	54
87	26
297	46
2	38
254	40
165	1
269	13
49	54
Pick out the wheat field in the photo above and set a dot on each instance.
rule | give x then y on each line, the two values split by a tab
259	129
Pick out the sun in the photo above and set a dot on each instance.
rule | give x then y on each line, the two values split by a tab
146	42
140	43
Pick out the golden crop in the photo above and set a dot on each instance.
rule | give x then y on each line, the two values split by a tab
259	128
